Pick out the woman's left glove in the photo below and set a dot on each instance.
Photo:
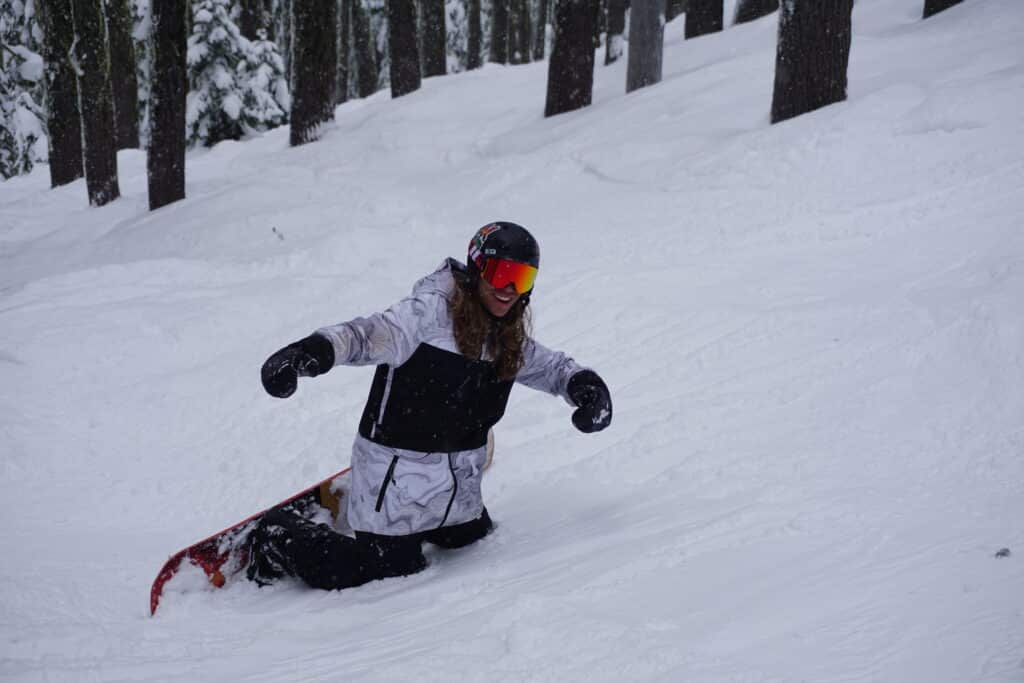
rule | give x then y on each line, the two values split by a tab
589	392
307	357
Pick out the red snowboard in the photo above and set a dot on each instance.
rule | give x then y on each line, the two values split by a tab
225	555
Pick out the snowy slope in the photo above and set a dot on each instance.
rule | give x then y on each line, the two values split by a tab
814	334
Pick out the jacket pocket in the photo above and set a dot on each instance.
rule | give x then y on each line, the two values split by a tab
387	481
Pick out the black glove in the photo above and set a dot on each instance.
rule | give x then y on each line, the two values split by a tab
588	391
308	357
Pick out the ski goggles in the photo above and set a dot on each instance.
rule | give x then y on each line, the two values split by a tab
501	272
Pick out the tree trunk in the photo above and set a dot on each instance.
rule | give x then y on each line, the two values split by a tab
523	33
63	118
673	8
646	40
96	101
165	161
285	32
518	32
435	40
474	39
703	17
123	77
266	19
749	10
812	56
344	49
249	18
541	34
499	32
314	67
616	27
935	6
366	55
571	69
402	44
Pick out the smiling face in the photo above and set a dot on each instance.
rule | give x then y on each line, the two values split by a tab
497	301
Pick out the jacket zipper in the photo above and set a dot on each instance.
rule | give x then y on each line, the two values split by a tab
387	480
455	490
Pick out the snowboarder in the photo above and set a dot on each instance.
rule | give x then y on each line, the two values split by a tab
446	356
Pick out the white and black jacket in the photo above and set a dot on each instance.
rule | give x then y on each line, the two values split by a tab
421	448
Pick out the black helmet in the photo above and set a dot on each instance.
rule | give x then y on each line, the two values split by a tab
502	240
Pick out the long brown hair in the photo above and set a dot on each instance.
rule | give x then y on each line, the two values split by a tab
504	337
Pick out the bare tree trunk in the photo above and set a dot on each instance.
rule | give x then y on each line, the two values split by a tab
435	39
96	101
314	67
519	41
249	18
935	6
499	32
366	54
703	17
749	10
266	20
344	49
474	39
541	34
812	56
404	50
646	40
165	161
63	118
673	8
571	69
616	27
123	78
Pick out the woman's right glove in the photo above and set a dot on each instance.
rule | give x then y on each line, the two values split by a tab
307	357
589	392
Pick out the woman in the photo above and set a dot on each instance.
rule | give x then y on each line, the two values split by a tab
446	358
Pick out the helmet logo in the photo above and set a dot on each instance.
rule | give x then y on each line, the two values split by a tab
476	245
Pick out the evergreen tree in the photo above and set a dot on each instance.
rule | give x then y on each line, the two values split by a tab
616	28
571	69
23	139
165	161
404	52
63	118
749	10
314	65
96	99
457	34
266	99
935	6
435	38
216	97
703	17
646	40
812	56
123	74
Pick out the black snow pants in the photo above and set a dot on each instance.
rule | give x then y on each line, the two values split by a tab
286	544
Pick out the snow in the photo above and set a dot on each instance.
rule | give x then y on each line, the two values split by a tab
31	68
812	331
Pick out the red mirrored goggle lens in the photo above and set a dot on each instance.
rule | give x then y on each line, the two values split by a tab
499	273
